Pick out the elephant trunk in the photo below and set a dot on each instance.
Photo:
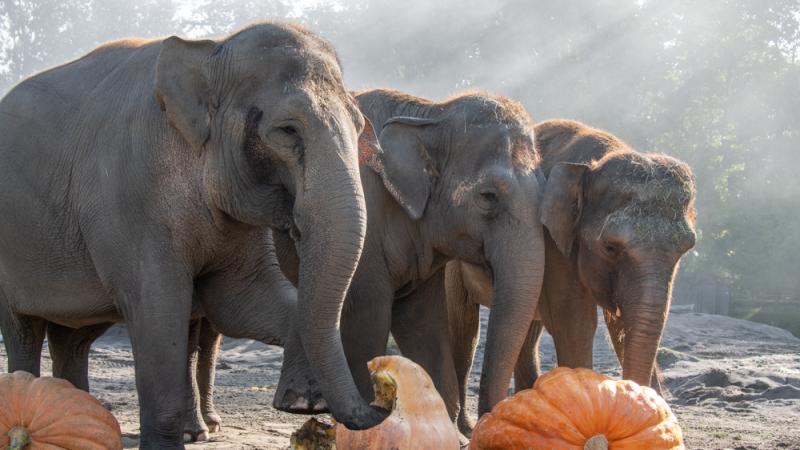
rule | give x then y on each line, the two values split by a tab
330	216
517	260
644	319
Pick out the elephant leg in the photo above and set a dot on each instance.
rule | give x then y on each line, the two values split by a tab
210	341
366	322
236	307
297	391
464	345
574	344
157	314
161	367
463	315
256	301
528	365
69	350
419	325
194	428
23	337
616	334
571	319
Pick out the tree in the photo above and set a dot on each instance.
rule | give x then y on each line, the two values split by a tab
714	83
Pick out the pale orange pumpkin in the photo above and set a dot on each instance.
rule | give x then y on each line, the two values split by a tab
418	418
50	413
576	409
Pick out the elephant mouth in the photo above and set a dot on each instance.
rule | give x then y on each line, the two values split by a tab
283	213
604	293
607	301
288	223
294	232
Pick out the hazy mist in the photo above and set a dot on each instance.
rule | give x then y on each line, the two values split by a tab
715	83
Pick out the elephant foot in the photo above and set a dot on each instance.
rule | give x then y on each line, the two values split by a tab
212	420
297	392
195	436
463	442
307	402
465	426
194	429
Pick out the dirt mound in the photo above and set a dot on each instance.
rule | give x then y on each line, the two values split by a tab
721	384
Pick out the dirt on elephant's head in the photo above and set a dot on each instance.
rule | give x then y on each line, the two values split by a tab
660	191
483	109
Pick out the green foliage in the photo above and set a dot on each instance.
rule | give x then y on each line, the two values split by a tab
714	83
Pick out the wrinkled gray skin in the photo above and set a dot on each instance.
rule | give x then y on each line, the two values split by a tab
139	184
202	417
456	179
618	222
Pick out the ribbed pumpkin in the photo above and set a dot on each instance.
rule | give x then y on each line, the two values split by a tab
576	409
418	418
49	413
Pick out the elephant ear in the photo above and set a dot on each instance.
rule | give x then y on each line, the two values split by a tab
182	87
405	164
369	149
562	203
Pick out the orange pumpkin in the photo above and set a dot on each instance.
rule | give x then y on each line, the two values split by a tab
418	418
576	409
51	413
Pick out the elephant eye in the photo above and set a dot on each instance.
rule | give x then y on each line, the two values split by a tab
488	200
285	135
611	249
489	197
288	129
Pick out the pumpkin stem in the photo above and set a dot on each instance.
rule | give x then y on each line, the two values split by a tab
385	390
20	438
596	442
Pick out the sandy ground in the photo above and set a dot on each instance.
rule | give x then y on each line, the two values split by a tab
733	384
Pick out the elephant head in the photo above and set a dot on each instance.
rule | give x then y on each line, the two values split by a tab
624	220
275	133
467	170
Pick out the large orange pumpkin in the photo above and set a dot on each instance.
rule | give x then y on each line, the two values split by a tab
418	418
49	413
576	409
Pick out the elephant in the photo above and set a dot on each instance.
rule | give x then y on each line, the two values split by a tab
617	222
456	179
202	417
140	183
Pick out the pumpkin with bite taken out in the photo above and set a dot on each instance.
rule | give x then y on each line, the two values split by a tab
418	418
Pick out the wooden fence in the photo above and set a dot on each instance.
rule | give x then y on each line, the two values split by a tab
704	292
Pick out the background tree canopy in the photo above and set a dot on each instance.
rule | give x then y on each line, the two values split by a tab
715	83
